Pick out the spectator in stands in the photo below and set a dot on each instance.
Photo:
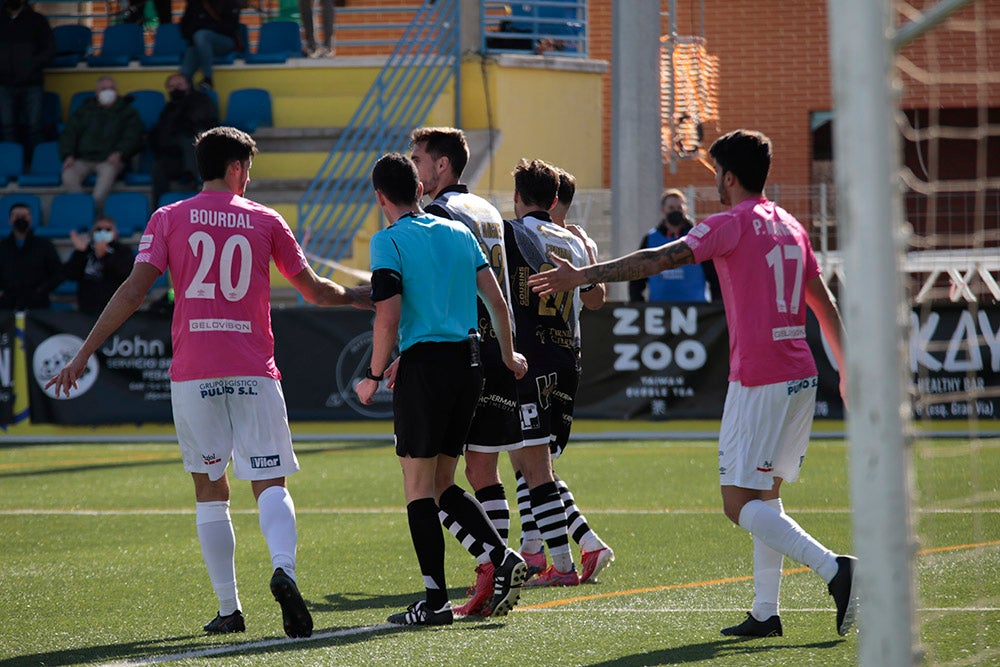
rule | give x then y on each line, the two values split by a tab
26	46
211	28
135	12
99	264
693	283
100	137
187	114
306	16
29	266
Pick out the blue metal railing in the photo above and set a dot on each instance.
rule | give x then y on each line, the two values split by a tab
340	198
535	26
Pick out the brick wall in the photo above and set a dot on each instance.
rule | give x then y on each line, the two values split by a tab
774	70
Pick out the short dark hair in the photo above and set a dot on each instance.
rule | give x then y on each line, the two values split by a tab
747	155
395	176
537	182
217	148
13	207
567	187
448	142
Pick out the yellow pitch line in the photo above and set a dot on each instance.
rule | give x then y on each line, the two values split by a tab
727	580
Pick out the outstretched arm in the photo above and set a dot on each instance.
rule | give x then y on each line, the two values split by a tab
323	292
638	264
125	301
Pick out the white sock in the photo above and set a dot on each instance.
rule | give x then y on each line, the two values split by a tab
766	574
218	548
780	532
277	522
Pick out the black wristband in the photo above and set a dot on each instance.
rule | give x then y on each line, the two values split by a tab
370	376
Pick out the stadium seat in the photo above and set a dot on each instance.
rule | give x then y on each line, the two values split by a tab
129	210
70	211
33	202
143	175
279	41
249	109
171	197
78	99
149	104
123	43
46	167
72	45
230	58
11	161
168	46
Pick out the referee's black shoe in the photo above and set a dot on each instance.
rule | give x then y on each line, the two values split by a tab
507	581
420	613
841	587
295	617
754	628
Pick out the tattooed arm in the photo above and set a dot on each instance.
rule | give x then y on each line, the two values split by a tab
639	264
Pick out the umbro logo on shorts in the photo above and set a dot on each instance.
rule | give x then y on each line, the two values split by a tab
265	461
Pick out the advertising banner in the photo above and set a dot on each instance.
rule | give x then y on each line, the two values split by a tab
7	338
125	381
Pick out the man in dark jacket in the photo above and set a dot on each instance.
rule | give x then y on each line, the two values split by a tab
211	28
26	46
29	266
103	134
186	115
99	264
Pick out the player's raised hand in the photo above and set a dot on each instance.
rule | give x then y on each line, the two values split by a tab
563	278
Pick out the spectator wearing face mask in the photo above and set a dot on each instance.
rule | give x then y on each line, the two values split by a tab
187	114
100	137
26	46
693	283
99	264
29	266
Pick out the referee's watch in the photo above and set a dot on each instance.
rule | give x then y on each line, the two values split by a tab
372	376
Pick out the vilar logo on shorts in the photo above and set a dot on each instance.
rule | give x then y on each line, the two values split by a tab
265	461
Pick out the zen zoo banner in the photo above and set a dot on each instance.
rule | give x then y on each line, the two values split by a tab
640	361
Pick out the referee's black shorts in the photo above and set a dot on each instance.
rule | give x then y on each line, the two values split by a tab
434	399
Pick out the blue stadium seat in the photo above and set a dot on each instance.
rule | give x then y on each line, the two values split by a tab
11	161
143	175
241	52
149	104
172	197
168	46
33	202
78	99
249	109
123	43
72	45
46	167
279	41
70	211
129	210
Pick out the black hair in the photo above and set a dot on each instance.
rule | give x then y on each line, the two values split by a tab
217	148
448	142
537	182
567	187
747	155
395	176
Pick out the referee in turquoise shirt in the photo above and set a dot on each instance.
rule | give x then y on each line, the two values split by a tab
426	273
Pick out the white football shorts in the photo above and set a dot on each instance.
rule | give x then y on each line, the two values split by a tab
765	432
242	418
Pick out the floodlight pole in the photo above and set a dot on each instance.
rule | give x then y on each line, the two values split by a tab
866	154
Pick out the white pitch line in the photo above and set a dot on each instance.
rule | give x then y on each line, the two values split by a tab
398	510
249	646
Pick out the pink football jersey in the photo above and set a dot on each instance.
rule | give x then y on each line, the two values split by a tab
764	259
218	247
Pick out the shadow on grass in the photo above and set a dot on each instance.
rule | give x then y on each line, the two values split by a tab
365	601
719	649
